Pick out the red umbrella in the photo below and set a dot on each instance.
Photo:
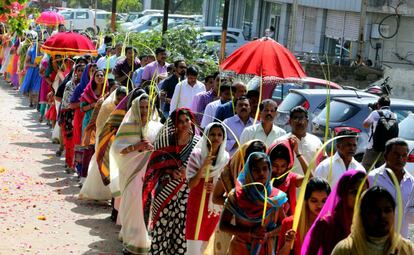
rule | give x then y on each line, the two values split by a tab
69	44
266	58
50	18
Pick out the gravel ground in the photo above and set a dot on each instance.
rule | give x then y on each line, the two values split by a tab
39	209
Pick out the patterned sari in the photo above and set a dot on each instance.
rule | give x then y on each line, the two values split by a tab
169	196
246	203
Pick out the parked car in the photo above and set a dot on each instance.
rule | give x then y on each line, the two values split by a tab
230	31
150	21
232	42
83	19
279	91
133	16
406	132
312	99
351	112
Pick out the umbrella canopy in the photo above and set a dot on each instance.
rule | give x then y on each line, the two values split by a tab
266	58
50	18
69	44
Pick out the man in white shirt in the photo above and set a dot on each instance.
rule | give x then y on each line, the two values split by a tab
308	144
371	122
265	131
210	111
342	160
396	155
185	91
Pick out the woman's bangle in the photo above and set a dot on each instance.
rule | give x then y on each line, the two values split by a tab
299	155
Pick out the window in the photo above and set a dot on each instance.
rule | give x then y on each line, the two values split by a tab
229	39
292	100
401	114
67	15
82	15
155	21
282	90
340	111
405	128
103	16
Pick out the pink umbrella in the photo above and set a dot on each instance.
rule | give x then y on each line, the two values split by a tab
50	18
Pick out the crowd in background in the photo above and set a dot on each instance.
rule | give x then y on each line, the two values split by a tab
199	167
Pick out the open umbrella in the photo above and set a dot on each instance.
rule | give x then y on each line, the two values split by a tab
266	58
69	44
50	18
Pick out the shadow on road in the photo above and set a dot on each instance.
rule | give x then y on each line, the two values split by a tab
65	184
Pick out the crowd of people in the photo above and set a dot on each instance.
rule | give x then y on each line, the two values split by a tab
190	168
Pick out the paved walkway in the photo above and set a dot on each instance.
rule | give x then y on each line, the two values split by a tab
39	209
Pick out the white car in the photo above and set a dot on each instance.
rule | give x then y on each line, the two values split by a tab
148	22
406	132
230	31
83	19
233	42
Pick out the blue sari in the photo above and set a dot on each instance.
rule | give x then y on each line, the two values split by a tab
32	79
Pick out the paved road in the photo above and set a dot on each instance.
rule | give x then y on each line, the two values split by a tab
33	185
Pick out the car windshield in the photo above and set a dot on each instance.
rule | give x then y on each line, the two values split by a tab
339	111
141	20
67	15
406	130
292	100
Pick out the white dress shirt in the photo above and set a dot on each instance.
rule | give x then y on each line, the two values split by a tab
308	146
379	177
338	168
257	132
184	94
210	112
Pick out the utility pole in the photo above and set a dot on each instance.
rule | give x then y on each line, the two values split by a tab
113	16
361	33
292	27
165	20
224	30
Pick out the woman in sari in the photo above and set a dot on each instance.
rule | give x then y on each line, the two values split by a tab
32	79
282	158
91	96
372	229
13	63
75	103
334	221
210	155
129	156
255	230
94	188
66	117
317	191
165	178
45	86
227	181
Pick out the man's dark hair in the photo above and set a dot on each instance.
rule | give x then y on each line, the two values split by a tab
265	102
298	109
394	141
225	87
240	99
142	57
384	101
208	77
160	50
252	93
127	48
177	62
192	70
107	39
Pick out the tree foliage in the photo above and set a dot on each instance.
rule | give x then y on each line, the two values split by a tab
15	12
123	6
180	6
182	43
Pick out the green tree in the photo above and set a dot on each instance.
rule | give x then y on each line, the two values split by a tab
180	6
16	17
121	5
181	43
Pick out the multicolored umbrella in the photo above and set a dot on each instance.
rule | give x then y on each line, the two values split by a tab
69	44
50	18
